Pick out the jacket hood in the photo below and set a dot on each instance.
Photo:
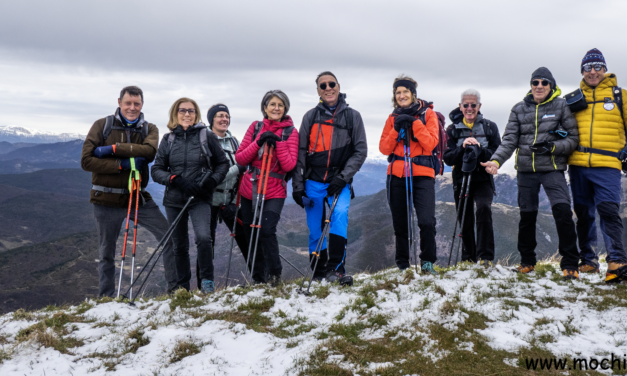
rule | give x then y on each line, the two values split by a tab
457	116
610	80
228	135
554	94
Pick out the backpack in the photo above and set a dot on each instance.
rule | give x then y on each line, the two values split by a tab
106	131
203	144
285	134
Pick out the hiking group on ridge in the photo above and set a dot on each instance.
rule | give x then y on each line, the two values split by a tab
209	177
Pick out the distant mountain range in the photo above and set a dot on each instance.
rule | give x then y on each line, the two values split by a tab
14	133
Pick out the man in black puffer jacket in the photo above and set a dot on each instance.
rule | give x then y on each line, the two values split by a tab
471	128
544	133
182	161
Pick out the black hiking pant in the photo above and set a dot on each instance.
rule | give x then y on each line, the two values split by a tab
424	205
226	213
480	193
556	189
199	213
267	260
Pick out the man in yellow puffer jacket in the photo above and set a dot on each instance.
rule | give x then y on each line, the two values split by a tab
595	167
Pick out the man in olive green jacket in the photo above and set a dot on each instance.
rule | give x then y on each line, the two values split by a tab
107	154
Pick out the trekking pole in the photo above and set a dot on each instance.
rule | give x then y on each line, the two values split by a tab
128	218
233	233
256	203
164	240
316	253
292	265
461	228
461	194
410	165
263	200
137	188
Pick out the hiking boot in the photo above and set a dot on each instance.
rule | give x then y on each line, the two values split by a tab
588	267
486	264
274	280
342	279
615	272
570	274
427	268
207	287
524	269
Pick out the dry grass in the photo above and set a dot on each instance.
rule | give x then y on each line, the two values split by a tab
183	349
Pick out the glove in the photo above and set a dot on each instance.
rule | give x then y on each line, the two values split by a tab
336	186
622	155
210	184
268	138
298	198
189	188
125	164
403	122
545	147
104	151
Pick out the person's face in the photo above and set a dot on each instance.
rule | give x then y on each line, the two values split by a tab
221	121
470	113
540	89
331	91
130	106
594	77
403	96
275	109
186	114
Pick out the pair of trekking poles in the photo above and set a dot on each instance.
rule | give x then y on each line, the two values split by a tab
262	187
134	186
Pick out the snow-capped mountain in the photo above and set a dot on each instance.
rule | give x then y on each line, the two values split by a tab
14	133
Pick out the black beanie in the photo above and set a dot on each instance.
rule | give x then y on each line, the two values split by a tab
214	110
543	73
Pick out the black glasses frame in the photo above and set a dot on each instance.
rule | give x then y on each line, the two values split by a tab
538	82
332	85
597	67
472	105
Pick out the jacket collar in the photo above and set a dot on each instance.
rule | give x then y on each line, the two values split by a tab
457	117
341	105
554	94
609	81
138	124
193	129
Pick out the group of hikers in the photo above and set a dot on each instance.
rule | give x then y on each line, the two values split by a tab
210	177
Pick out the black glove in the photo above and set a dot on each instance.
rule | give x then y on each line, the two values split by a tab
336	186
545	147
188	187
210	184
403	121
298	198
125	164
268	138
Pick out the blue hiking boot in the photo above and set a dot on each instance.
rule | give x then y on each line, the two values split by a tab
427	268
207	286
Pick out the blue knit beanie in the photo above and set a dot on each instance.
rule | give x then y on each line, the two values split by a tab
593	57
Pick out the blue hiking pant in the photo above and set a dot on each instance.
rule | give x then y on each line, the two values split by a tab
597	189
334	257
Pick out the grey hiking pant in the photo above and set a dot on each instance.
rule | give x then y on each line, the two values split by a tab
109	221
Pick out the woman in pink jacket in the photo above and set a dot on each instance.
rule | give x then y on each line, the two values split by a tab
277	131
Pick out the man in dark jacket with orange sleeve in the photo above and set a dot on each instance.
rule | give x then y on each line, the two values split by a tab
332	148
107	154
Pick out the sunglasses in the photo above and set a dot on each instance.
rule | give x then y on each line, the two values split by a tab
191	111
597	67
472	105
538	82
323	85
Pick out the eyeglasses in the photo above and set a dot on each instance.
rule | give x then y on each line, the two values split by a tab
538	82
472	105
223	116
597	67
190	111
331	84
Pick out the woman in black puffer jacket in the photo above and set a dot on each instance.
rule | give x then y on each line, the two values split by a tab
180	165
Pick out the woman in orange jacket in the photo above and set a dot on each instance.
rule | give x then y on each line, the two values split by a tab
413	123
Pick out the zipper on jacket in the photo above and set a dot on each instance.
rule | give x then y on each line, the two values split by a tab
553	159
594	99
185	160
535	137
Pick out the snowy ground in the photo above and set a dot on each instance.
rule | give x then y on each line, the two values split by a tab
388	323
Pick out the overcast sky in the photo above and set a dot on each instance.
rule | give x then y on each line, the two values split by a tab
63	63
